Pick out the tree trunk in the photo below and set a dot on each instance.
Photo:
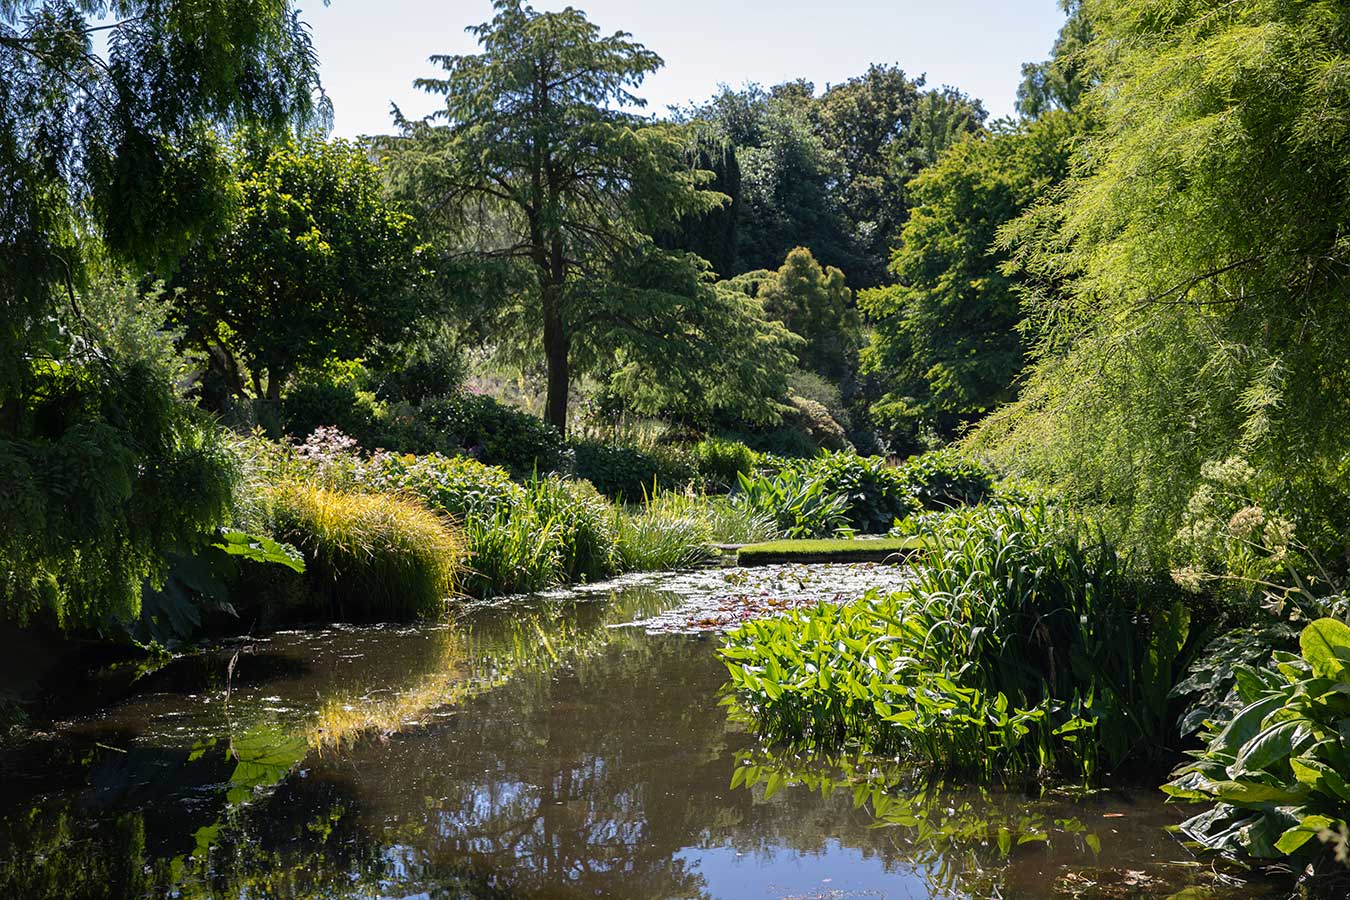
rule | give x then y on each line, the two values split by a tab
556	350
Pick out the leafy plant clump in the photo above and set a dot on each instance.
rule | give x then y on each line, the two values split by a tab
674	530
721	462
369	556
1021	644
460	487
627	473
1277	770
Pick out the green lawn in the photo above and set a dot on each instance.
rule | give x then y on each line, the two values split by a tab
822	551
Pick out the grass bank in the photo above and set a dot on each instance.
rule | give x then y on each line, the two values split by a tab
833	550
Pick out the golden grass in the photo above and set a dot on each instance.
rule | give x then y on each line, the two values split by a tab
371	556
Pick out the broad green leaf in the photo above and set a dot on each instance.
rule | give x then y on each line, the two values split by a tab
1326	647
1272	744
1300	834
260	549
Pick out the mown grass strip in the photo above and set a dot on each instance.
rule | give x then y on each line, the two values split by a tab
833	550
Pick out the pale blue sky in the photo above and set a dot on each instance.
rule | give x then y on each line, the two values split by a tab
371	51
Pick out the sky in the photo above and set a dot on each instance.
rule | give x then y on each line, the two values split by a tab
371	50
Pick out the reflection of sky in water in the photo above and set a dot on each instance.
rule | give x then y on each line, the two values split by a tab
834	873
601	768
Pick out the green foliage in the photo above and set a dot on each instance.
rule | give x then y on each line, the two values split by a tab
1276	770
457	486
103	470
807	429
817	304
583	522
720	462
801	506
844	491
877	492
1060	81
944	479
316	264
202	582
881	127
1227	535
511	552
675	529
825	172
369	556
725	358
122	146
1020	644
628	473
826	550
787	174
1192	270
428	363
493	432
536	159
946	345
342	403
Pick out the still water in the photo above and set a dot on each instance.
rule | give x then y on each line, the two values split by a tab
534	749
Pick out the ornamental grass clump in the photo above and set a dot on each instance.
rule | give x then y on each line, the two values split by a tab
369	556
675	529
1020	644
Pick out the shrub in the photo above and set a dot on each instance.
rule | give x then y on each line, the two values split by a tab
944	479
333	402
878	494
720	462
492	432
369	556
815	421
801	507
1020	644
832	494
460	487
1277	770
626	473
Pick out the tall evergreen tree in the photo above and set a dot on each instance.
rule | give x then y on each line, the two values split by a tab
535	166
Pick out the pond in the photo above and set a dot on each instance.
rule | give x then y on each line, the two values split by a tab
542	747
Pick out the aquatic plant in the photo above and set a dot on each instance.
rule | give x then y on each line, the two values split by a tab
1020	643
370	556
581	520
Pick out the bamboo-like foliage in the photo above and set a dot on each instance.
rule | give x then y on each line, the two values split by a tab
1192	271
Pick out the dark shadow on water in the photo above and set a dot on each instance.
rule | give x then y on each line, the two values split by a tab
547	755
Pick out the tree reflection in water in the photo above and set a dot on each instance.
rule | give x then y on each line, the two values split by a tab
574	759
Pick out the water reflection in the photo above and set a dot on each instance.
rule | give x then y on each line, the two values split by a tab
532	751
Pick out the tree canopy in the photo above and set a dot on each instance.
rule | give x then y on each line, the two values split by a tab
1193	269
946	344
105	160
537	170
315	264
